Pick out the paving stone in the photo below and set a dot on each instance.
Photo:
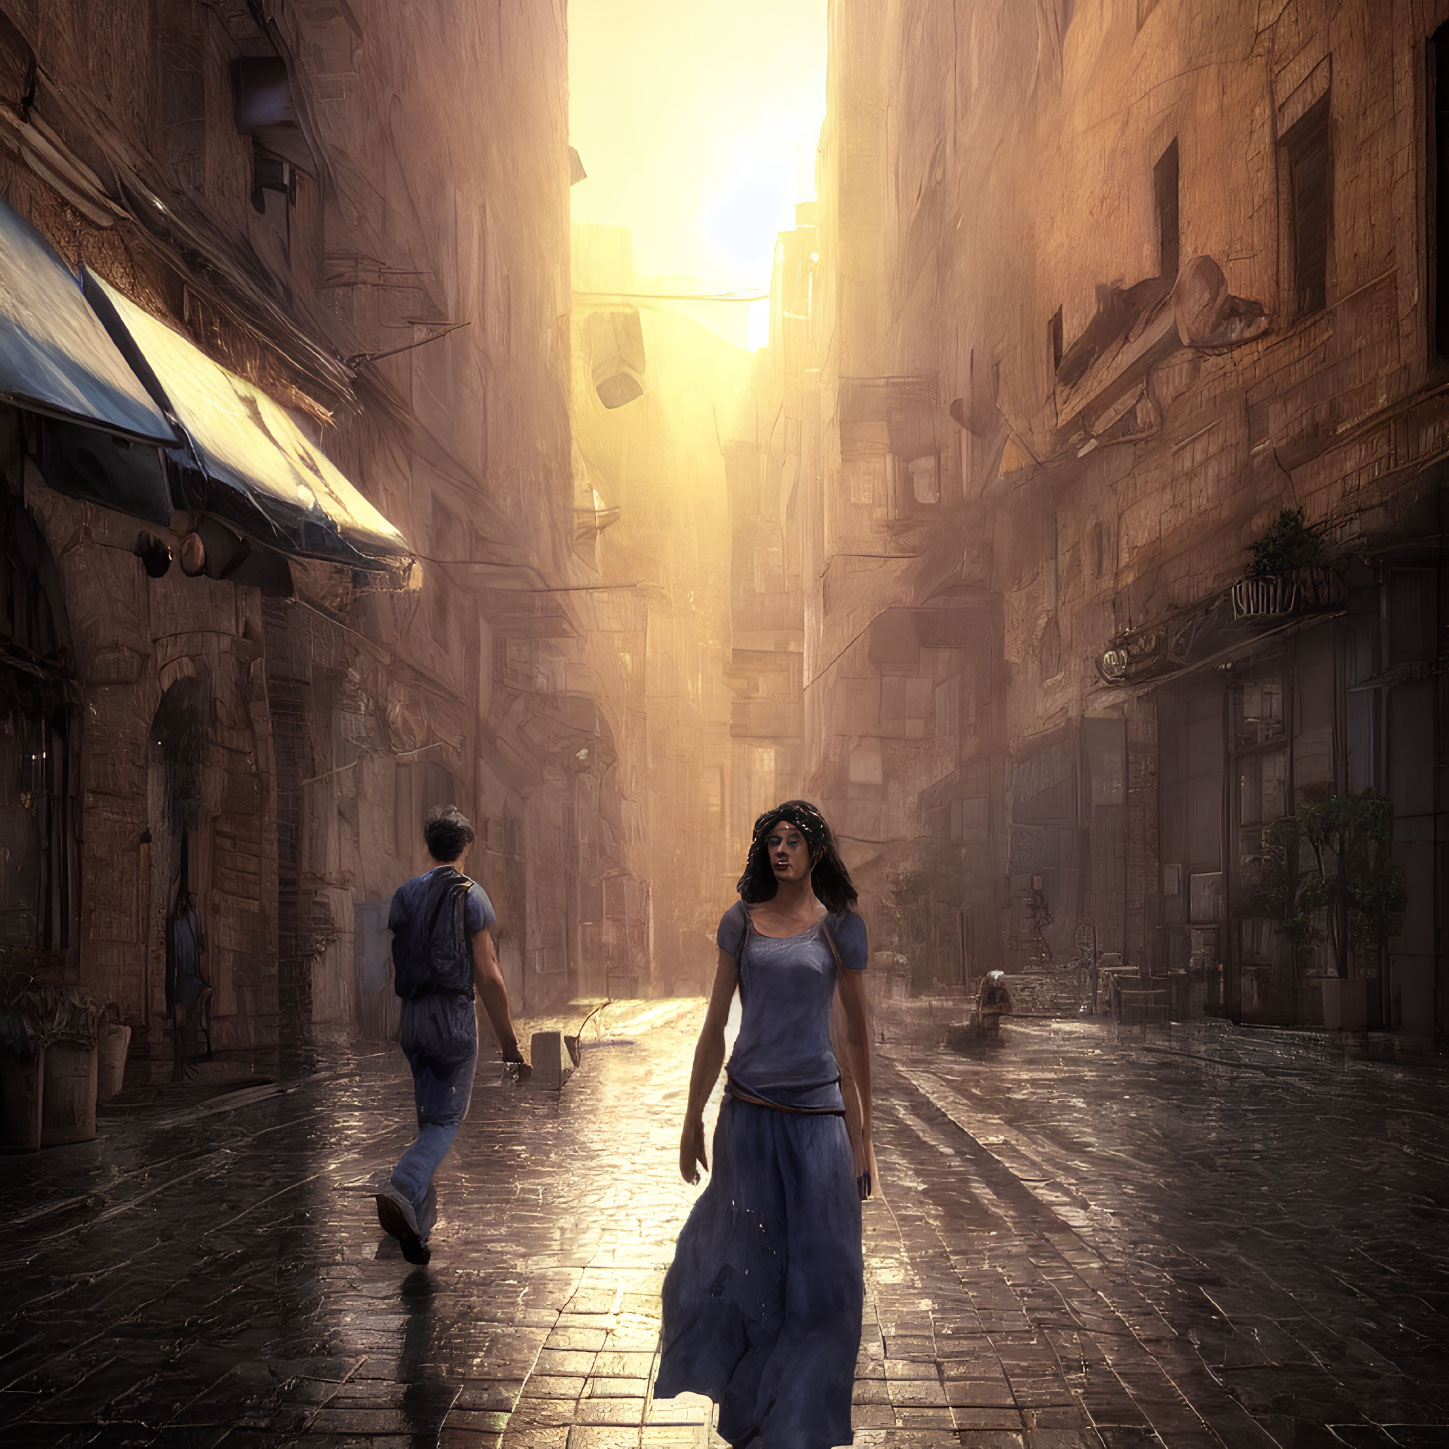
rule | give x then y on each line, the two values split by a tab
477	1421
608	1388
979	1393
553	1361
556	1386
468	1439
916	1391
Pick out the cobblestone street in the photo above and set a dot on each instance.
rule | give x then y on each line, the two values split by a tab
1081	1241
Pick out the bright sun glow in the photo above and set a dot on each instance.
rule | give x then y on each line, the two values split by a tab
698	121
757	327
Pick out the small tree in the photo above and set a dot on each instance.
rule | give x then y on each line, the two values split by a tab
1354	880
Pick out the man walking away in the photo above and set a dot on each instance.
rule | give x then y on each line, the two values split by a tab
442	946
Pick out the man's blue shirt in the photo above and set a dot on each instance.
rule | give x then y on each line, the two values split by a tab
478	913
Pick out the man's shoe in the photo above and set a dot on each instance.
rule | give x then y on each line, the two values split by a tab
395	1215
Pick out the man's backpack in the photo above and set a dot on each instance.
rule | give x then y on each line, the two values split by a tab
431	951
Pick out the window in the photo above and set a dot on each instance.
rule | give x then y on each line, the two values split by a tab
868	481
866	765
485	665
1438	199
551	672
1054	339
40	798
948	712
1165	192
1308	155
925	479
968	817
518	663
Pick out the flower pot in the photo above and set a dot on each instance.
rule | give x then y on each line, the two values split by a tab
68	1106
111	1048
1345	1003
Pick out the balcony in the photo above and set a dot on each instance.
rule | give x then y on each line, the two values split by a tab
1251	607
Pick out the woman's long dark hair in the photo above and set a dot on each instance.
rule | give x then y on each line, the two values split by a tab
829	879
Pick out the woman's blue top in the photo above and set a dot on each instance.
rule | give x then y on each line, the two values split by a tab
787	984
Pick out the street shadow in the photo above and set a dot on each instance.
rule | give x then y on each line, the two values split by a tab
428	1395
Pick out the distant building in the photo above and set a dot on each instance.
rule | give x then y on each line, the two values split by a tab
775	444
652	533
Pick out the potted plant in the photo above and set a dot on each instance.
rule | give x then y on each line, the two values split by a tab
47	1061
1284	564
1354	886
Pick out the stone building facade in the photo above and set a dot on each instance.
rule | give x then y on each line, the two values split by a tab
362	213
1111	292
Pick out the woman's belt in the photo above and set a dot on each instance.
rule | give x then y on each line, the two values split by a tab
742	1094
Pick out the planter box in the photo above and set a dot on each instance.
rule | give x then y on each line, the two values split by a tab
68	1104
1264	598
1345	1003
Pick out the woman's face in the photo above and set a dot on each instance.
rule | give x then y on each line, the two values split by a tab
788	853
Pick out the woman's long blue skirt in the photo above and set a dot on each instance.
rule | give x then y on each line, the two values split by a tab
762	1304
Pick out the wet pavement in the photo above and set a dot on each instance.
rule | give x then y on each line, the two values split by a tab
1084	1238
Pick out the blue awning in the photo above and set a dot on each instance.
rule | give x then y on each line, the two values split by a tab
243	452
102	434
120	392
55	357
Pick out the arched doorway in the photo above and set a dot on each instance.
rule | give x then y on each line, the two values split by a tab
178	779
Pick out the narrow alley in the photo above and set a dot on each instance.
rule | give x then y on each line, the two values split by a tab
932	515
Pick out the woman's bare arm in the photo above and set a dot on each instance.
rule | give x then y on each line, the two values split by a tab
708	1059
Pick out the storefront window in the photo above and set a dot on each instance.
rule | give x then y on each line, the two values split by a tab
1263	787
1261	800
1258	711
38	886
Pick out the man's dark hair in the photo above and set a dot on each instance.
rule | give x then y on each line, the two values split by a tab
829	879
447	831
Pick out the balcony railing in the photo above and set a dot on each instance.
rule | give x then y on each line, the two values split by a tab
1277	596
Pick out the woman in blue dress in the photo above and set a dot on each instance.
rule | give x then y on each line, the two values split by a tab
762	1305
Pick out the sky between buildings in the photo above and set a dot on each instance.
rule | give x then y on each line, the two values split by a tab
697	121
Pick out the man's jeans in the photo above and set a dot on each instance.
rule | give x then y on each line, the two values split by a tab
439	1037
